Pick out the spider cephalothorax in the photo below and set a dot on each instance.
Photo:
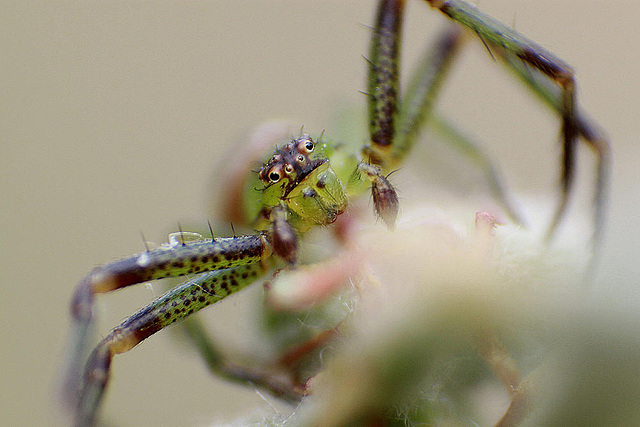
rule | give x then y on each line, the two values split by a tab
301	190
300	187
291	163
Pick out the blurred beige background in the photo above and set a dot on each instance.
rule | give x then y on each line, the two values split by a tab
114	115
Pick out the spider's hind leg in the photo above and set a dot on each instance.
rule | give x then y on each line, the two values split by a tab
512	47
276	379
588	130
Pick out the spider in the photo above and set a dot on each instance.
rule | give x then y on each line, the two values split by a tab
309	183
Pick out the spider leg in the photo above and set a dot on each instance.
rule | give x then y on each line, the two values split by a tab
474	154
180	260
505	367
382	105
394	126
589	131
419	99
394	130
383	79
170	261
511	46
175	305
416	112
278	380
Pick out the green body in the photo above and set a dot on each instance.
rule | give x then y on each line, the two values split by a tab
304	212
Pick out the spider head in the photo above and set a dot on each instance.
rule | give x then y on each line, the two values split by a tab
291	163
299	175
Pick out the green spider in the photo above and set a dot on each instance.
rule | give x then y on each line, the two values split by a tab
307	183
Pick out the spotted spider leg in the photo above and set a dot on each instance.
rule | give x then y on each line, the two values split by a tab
236	262
394	126
395	129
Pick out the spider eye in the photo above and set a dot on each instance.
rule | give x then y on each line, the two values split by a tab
288	169
274	176
300	158
309	146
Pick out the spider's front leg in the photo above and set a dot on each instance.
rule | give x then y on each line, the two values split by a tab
236	262
176	260
382	104
393	125
175	305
